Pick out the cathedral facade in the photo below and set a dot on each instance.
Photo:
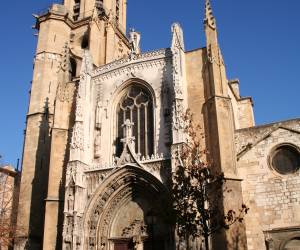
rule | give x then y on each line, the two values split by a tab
103	126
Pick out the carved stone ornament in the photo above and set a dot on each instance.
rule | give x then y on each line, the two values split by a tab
87	63
137	227
77	137
67	233
128	155
214	55
177	48
79	102
177	37
150	59
94	179
64	92
121	49
65	62
178	121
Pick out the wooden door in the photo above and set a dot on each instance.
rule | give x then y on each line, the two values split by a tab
123	245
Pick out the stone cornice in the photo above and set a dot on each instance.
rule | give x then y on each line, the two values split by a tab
64	17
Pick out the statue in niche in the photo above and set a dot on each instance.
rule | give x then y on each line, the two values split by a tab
98	115
97	146
71	199
97	142
68	233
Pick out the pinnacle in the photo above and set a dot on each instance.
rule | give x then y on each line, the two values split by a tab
209	17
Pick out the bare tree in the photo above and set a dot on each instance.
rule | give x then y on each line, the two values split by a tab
8	196
197	189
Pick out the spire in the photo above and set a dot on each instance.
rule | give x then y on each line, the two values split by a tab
209	17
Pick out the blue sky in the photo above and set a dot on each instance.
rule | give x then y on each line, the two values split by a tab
260	41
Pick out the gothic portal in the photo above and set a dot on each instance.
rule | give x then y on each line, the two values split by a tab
103	129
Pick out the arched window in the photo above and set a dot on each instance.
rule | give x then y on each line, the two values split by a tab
136	105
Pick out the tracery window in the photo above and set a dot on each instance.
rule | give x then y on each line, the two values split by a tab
285	159
137	106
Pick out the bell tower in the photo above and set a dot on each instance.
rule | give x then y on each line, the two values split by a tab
83	8
65	32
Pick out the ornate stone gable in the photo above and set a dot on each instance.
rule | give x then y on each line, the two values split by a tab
154	69
147	57
245	139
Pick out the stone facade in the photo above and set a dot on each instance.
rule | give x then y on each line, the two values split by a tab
273	198
103	127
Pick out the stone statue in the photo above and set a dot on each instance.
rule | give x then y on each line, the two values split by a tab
134	39
71	201
98	125
97	146
98	115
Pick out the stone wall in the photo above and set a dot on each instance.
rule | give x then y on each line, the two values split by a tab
273	199
242	106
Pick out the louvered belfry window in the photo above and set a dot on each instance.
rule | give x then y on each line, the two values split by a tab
137	106
117	10
76	10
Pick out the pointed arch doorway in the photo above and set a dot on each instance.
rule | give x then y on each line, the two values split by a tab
130	211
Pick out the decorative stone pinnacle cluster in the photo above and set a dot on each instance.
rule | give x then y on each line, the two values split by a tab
209	17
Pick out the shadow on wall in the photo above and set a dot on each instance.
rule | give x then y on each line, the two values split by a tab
60	222
40	183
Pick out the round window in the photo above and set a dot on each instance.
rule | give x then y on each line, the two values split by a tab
285	159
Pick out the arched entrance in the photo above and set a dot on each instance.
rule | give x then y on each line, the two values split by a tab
130	210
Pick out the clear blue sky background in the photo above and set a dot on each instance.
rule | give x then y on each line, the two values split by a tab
260	41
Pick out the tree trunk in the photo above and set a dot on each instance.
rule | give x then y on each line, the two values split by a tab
187	241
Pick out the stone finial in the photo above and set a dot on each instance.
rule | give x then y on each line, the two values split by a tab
177	37
128	138
209	17
128	155
65	63
135	39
